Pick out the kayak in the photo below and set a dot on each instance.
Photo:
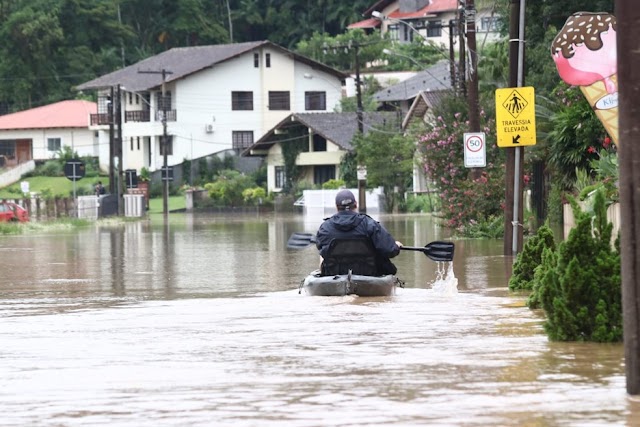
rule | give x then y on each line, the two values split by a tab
349	284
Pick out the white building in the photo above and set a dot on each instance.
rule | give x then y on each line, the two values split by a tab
40	133
216	98
435	21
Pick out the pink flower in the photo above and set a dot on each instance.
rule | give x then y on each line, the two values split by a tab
591	150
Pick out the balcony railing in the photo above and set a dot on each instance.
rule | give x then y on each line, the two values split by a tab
134	116
137	116
100	119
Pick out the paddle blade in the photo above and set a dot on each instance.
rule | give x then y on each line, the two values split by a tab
300	240
440	251
436	251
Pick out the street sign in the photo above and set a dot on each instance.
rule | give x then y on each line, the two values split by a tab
475	150
74	169
361	173
515	116
167	173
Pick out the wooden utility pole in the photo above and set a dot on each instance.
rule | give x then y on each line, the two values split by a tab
628	33
362	187
515	156
472	91
118	151
452	57
111	115
462	68
164	143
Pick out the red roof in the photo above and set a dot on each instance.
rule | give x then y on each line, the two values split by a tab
64	114
434	7
367	23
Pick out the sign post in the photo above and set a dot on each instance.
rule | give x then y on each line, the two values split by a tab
74	170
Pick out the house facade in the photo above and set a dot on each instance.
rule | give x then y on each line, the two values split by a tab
321	139
208	99
435	21
40	133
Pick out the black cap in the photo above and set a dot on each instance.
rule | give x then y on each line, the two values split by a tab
345	199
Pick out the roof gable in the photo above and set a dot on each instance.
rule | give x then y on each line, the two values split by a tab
184	61
64	114
433	79
338	128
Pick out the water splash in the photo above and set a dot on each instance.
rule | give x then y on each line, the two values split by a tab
446	282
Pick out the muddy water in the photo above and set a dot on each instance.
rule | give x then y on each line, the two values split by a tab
200	323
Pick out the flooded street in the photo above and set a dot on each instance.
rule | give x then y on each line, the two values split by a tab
200	323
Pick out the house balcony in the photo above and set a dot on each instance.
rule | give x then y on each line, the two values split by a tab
104	119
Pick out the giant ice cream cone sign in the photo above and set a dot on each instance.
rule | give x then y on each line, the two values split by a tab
585	54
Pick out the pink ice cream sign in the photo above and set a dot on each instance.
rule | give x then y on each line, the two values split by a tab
584	52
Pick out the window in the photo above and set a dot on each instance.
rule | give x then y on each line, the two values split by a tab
393	32
54	144
315	101
242	100
280	177
256	60
164	103
169	145
408	33
267	60
279	100
131	144
138	139
434	29
322	174
489	23
241	139
319	143
8	148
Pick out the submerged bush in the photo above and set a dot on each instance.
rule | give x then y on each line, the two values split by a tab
530	258
579	285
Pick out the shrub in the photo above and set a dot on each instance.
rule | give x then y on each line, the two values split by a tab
530	258
579	284
333	184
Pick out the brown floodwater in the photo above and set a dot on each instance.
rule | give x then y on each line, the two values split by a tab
199	322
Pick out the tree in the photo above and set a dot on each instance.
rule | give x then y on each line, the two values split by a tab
388	157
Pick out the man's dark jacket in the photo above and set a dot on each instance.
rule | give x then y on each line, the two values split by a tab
351	224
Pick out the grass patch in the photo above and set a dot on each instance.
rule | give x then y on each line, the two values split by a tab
174	203
51	186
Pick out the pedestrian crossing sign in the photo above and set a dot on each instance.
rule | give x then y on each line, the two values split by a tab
515	116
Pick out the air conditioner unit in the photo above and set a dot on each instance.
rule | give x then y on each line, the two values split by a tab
419	24
208	128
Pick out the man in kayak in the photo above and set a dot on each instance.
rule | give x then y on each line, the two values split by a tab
347	223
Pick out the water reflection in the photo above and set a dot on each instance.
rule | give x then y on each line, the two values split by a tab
199	322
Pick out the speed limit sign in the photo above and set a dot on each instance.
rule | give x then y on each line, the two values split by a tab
475	150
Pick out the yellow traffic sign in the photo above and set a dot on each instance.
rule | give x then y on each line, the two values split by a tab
515	116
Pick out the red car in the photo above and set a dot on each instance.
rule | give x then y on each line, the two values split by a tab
10	211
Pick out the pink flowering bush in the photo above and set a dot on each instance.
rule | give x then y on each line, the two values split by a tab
468	196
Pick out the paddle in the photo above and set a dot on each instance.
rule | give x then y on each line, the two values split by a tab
436	251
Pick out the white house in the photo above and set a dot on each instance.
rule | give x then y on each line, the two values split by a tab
432	20
322	139
39	133
216	98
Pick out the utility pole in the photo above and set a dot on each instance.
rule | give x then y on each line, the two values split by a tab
164	143
513	212
452	55
362	183
462	77
472	91
118	150
110	107
628	34
362	188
